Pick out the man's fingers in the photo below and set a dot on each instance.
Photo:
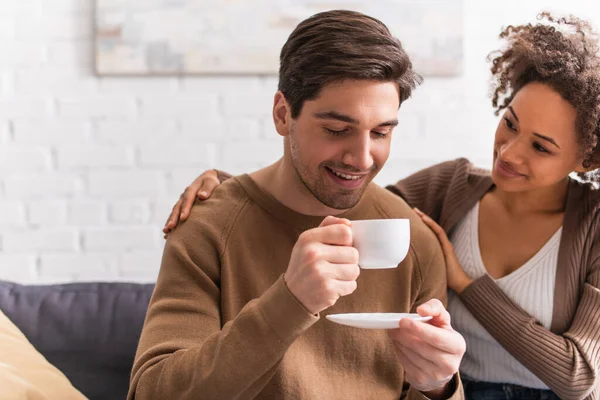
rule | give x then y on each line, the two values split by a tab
441	320
434	308
344	288
411	370
425	367
435	336
345	272
335	233
419	360
431	308
438	372
432	358
336	254
331	220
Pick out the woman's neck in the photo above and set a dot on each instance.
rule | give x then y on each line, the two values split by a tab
548	200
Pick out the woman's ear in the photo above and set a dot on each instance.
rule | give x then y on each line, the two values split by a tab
282	116
586	167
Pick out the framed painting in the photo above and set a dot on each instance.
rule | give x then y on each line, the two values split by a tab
188	37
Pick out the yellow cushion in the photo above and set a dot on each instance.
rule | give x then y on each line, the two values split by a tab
25	374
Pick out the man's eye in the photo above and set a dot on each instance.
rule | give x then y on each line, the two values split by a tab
380	135
333	132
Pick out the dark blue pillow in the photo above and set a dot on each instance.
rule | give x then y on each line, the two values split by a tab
89	331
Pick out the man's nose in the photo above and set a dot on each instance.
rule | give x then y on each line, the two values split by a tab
358	153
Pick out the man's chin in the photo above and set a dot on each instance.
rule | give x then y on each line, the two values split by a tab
341	202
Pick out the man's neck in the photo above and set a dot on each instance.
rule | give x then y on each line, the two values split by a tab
281	181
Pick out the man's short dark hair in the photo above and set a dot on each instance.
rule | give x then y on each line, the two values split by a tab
339	45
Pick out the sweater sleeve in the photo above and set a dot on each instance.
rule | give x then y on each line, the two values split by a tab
427	188
568	363
457	394
185	352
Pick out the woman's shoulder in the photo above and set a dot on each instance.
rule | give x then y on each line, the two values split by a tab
583	196
582	212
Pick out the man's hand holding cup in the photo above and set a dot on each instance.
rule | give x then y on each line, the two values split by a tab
324	265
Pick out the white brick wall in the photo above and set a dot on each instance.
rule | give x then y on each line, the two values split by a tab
90	167
46	213
35	239
120	238
12	214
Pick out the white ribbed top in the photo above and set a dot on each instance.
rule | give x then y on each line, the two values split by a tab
531	287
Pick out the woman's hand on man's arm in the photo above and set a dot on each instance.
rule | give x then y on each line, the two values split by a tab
201	189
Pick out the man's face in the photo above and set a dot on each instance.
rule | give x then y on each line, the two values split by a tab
340	140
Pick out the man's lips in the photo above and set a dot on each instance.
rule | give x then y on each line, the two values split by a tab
347	175
346	180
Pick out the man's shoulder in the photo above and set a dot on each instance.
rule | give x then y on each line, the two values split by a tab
217	214
226	198
389	204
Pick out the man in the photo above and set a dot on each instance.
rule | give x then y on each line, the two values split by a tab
238	309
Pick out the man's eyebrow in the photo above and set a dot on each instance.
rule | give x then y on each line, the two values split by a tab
345	118
337	116
513	113
392	122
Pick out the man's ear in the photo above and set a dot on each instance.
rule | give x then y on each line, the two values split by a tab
282	114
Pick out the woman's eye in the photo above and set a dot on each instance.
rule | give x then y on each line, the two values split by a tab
510	125
540	148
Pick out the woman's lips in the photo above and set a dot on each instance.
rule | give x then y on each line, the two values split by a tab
506	170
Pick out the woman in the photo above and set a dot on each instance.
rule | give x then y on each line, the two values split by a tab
523	251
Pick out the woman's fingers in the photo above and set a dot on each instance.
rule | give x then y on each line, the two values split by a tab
173	219
208	187
201	188
437	229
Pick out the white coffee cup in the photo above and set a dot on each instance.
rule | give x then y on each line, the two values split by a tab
381	243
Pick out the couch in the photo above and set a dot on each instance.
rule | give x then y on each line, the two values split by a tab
89	331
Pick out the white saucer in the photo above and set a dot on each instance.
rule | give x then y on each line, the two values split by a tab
373	320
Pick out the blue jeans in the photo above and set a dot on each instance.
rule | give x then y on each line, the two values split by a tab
504	391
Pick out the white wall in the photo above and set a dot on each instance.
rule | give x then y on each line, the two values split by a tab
89	167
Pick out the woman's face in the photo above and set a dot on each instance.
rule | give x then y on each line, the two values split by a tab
535	144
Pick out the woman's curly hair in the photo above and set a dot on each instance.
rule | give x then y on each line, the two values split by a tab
562	53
